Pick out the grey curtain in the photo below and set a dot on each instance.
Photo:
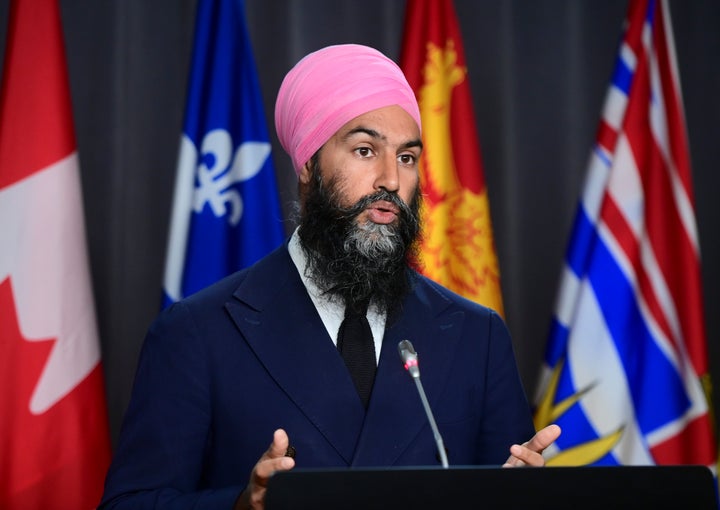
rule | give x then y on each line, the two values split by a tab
538	70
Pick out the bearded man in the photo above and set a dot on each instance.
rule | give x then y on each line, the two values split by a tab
301	348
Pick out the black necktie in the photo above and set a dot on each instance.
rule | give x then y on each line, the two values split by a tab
356	345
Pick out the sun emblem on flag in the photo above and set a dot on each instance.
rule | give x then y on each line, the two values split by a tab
548	412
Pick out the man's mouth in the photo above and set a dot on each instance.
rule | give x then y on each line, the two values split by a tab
382	212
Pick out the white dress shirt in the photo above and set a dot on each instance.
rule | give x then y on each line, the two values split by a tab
332	310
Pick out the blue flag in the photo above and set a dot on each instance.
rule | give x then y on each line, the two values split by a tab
226	213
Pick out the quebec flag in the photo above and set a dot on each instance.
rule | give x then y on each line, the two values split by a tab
226	213
626	372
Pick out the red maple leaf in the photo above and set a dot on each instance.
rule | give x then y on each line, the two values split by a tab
56	459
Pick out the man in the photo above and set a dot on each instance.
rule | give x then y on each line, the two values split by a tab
301	348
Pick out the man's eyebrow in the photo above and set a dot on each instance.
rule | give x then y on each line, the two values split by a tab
360	129
375	134
412	143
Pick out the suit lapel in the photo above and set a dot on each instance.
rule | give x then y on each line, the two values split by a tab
395	414
296	350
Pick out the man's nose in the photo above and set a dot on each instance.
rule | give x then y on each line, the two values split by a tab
388	176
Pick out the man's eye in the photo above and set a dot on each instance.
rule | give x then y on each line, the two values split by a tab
364	152
407	159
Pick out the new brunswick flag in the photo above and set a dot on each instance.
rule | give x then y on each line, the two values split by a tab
457	249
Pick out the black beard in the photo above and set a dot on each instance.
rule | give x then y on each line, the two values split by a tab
359	263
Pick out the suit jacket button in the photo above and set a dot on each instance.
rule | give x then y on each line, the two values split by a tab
290	452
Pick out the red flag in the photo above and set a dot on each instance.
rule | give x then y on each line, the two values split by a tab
54	440
458	249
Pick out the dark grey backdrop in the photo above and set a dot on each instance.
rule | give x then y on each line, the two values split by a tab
538	70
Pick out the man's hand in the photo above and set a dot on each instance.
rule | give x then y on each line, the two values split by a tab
274	459
530	453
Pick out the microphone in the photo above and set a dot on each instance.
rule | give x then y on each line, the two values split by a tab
409	359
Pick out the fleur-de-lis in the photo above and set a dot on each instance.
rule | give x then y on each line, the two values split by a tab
216	173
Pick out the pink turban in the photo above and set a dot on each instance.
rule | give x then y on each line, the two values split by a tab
329	88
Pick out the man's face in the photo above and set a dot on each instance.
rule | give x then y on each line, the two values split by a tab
376	151
360	222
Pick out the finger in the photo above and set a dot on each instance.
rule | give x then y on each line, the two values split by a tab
519	456
265	468
273	459
530	453
278	447
512	460
523	456
544	438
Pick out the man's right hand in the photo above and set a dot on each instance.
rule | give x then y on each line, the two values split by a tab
274	459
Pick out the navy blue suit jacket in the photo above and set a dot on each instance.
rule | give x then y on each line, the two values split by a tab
222	369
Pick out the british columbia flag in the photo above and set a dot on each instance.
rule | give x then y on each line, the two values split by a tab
626	372
226	213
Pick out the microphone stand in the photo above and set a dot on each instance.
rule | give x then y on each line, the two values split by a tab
409	357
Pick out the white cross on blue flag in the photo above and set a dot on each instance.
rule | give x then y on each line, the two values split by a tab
226	213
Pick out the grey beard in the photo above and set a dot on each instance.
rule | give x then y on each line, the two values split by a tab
356	262
373	241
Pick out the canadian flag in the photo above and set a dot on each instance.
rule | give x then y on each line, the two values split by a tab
54	440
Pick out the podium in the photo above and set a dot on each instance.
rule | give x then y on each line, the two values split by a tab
621	487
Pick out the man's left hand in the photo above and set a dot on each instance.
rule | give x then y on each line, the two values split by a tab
530	452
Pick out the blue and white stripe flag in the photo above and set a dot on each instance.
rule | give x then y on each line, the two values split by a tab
626	372
226	213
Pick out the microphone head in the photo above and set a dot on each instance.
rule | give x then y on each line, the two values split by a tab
409	358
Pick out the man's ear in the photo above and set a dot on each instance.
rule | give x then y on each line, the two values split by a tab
305	173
